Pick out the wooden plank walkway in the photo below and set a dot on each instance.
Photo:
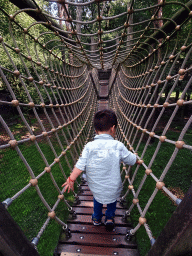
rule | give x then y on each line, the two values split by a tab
87	239
102	104
103	93
103	90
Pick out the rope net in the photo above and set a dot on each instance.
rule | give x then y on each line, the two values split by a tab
51	53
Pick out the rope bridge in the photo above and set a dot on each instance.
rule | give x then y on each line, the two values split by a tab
61	61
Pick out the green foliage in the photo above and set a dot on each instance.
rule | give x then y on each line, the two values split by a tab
13	37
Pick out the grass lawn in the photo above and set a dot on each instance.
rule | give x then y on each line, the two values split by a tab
173	95
30	213
28	210
178	180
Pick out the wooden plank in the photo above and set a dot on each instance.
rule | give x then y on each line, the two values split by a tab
90	198
85	193
85	187
83	210
88	239
101	107
86	204
80	228
104	81
87	220
85	198
103	104
101	240
94	250
103	92
90	204
78	254
84	183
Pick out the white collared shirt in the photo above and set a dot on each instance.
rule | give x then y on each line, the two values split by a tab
101	161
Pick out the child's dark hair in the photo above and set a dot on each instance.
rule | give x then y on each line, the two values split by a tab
104	120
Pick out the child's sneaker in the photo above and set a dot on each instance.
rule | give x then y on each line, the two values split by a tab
109	224
97	222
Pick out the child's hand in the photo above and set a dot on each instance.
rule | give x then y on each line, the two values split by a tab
69	184
139	162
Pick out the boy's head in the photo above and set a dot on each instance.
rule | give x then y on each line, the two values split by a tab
104	120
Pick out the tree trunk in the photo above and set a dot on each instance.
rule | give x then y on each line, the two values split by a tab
92	45
129	29
63	11
79	12
157	24
117	39
60	15
177	95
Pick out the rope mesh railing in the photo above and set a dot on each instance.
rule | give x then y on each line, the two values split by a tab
50	55
147	111
50	92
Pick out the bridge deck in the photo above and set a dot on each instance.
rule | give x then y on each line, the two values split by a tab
103	93
86	238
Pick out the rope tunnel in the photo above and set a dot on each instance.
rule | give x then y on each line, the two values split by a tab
61	61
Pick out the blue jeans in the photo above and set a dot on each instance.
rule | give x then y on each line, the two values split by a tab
109	214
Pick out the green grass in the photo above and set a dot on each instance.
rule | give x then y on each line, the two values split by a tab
161	209
173	95
28	210
30	213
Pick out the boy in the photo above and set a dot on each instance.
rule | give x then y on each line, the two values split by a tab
101	160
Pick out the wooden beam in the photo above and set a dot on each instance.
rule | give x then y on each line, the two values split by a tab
78	254
175	238
12	239
114	80
93	83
